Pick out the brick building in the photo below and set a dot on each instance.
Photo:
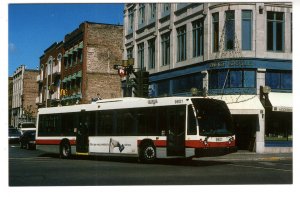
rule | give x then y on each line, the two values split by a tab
49	76
23	95
84	63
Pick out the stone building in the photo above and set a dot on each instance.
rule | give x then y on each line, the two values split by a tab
84	63
238	52
10	96
24	93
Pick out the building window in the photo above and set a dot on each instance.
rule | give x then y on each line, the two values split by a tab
165	48
197	38
152	10
163	88
229	30
141	14
151	53
129	53
166	8
233	78
185	83
215	30
279	80
275	31
130	20
246	29
181	43
141	56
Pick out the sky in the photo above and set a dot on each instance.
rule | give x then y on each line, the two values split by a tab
32	28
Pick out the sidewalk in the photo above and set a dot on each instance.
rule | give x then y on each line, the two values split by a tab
242	155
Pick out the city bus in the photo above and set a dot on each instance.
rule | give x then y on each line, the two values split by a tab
168	127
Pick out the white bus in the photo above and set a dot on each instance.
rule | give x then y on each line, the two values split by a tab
169	127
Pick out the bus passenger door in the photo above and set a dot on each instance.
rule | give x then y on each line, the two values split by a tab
82	136
176	132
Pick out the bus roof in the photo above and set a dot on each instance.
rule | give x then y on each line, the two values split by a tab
120	103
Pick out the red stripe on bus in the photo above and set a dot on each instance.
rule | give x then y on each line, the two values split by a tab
200	144
52	142
157	143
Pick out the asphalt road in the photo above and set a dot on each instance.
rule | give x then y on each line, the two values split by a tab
34	168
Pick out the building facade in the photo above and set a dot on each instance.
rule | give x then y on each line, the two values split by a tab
24	93
80	68
238	52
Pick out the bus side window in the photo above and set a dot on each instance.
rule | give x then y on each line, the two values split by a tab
105	123
192	126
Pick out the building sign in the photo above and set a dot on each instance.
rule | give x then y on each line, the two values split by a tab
283	109
231	63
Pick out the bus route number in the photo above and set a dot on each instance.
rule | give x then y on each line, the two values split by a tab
179	101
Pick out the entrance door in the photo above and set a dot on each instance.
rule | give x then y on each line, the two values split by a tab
176	132
82	137
245	129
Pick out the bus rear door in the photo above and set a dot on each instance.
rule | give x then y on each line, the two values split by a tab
176	132
82	142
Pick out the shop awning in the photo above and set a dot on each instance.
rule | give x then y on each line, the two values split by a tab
281	102
242	104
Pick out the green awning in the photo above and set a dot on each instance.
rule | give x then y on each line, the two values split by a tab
80	45
79	74
73	77
66	55
70	51
64	80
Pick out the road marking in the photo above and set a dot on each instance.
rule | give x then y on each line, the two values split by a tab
258	167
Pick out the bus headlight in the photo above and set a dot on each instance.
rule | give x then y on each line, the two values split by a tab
231	139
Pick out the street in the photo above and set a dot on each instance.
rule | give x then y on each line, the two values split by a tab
34	168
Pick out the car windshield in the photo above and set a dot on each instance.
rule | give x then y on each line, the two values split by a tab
213	117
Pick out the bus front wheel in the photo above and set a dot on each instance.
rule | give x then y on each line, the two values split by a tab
147	153
65	150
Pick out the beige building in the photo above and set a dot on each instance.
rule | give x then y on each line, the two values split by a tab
232	51
24	92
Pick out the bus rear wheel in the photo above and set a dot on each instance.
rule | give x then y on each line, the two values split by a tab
65	150
147	153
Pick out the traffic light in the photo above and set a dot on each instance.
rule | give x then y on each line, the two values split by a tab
141	83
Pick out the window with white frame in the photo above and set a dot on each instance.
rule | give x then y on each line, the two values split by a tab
151	53
181	43
130	20
215	32
198	38
141	56
229	30
275	31
141	14
165	49
152	10
246	29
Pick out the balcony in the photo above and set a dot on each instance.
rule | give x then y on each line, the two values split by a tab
57	69
38	100
55	96
39	78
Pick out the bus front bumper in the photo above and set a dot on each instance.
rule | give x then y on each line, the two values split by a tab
214	151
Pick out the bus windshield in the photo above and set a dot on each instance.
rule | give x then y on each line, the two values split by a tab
213	117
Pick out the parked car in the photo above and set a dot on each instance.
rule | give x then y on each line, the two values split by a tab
26	126
13	135
27	139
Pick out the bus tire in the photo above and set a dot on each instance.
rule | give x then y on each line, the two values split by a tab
147	153
65	150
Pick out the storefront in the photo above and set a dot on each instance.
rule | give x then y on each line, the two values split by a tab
279	122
